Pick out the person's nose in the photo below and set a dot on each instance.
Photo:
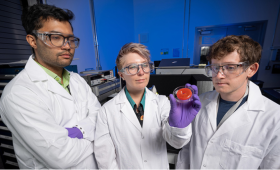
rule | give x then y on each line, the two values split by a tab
141	71
66	44
221	73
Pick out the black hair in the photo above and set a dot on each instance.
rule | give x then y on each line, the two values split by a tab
33	18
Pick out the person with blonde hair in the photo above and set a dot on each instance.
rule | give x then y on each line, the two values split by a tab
132	129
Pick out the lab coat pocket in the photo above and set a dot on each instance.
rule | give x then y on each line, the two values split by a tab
157	141
235	155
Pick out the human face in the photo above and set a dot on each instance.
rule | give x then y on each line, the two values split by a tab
139	81
51	56
231	88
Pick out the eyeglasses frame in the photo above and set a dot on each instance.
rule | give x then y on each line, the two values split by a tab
42	36
141	64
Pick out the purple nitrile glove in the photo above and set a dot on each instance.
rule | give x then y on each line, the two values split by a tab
182	114
74	133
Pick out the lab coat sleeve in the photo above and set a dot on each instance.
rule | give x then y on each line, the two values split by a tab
183	161
272	158
176	137
88	124
32	123
104	149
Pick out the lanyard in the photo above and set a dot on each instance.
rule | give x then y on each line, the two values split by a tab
232	109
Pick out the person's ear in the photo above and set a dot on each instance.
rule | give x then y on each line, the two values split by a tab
253	69
31	41
121	75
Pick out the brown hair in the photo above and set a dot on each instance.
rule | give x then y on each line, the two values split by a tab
132	48
248	49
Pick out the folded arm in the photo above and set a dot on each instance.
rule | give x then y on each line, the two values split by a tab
32	123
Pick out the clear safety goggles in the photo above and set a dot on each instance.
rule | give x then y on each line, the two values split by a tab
133	69
227	70
57	39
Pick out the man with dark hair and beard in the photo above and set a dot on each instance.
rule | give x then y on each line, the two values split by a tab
51	112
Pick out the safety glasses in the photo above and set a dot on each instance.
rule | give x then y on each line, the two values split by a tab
57	39
133	69
228	70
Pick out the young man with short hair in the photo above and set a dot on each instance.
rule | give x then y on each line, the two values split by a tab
237	127
44	104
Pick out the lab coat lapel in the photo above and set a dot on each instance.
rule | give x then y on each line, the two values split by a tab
36	73
150	110
211	109
127	110
240	116
237	119
55	87
74	87
255	99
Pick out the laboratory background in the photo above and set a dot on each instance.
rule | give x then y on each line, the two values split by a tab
178	34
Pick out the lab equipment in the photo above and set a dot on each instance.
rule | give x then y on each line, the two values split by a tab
107	74
102	83
183	94
93	79
106	87
175	63
173	71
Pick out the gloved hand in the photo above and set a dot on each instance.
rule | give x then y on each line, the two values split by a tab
74	133
182	114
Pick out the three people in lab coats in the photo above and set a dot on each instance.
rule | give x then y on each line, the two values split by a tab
133	127
237	127
51	112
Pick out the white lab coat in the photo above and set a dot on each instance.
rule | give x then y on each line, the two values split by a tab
121	142
37	109
248	139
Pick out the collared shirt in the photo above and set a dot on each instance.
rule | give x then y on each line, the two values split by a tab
65	76
140	114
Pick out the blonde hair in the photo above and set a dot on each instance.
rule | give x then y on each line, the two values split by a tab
137	48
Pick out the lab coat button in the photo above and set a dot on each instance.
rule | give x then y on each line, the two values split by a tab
145	160
204	165
142	136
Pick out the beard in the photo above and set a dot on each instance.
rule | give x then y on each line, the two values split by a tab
49	57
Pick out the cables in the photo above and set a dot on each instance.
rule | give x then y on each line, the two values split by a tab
183	71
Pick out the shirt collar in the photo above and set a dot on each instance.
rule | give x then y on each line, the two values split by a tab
132	103
65	75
